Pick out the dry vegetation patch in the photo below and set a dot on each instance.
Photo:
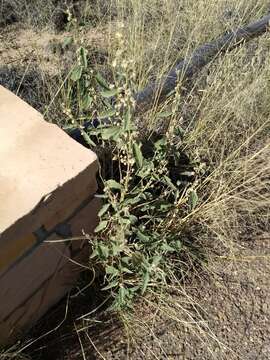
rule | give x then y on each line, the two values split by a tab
210	299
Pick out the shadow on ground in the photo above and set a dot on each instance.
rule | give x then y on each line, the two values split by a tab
61	334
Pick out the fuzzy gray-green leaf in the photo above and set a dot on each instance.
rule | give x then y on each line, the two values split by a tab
109	93
103	210
110	132
138	155
76	73
86	102
146	279
112	184
101	226
102	82
87	138
193	199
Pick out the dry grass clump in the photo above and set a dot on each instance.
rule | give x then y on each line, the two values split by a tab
55	14
224	111
36	12
159	33
231	130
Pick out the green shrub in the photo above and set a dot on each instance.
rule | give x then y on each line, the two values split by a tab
150	184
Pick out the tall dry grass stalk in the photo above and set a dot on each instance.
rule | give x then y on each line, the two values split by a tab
224	111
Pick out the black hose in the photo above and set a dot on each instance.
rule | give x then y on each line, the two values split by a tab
155	92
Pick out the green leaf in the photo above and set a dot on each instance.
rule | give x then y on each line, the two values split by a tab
87	138
67	41
126	260
137	258
160	143
116	249
101	226
169	183
108	133
111	285
83	56
126	270
167	247
93	254
107	114
126	221
122	294
146	170
76	73
142	237
165	207
164	114
102	82
86	102
146	279
138	155
133	200
112	184
178	245
133	219
103	251
111	270
109	93
179	131
193	199
103	210
127	120
156	260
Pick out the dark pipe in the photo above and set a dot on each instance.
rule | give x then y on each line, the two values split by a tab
155	92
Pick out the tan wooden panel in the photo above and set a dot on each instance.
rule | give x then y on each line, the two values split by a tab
28	313
24	278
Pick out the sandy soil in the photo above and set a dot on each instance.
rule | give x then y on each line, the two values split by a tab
34	63
236	308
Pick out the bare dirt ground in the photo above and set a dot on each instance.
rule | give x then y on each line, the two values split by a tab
236	308
235	301
33	63
231	299
20	45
